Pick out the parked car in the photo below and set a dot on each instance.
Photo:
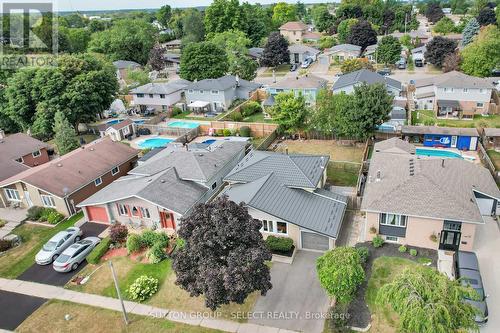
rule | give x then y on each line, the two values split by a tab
419	63
307	62
385	71
401	63
339	74
57	244
467	272
73	256
293	67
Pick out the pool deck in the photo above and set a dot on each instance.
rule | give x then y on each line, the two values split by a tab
135	142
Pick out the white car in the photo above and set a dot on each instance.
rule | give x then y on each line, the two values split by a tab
306	63
57	244
75	254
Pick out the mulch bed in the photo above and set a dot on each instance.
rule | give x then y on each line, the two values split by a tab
359	314
115	252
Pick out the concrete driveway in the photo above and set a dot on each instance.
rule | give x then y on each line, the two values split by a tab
296	300
46	274
15	308
487	248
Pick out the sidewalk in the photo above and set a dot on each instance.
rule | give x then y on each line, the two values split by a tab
52	292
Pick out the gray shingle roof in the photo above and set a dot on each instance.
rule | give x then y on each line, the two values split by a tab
441	189
303	82
301	48
439	130
255	52
345	47
304	171
394	145
124	64
364	75
222	83
161	87
455	79
320	211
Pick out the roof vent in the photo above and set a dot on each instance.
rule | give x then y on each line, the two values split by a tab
200	154
92	149
162	181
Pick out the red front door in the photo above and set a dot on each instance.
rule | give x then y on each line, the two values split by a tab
167	220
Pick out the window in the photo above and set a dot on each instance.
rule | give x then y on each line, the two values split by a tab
214	185
215	92
190	91
12	195
281	228
35	154
202	92
98	181
445	89
145	213
452	226
115	171
162	95
140	95
466	90
122	209
135	211
391	239
125	130
393	220
480	105
20	160
267	226
47	200
151	95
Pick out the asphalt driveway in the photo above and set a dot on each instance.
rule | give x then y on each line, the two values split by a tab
296	301
47	275
15	308
487	248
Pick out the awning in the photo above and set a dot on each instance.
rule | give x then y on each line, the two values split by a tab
198	104
444	103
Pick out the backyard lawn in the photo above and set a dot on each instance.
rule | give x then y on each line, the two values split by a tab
428	117
84	318
257	118
169	295
20	258
495	157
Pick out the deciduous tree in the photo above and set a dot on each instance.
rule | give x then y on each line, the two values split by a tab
344	29
445	26
322	18
193	29
283	13
290	112
362	34
222	15
351	65
275	51
452	62
486	16
163	15
434	12
438	48
482	56
329	110
203	60
388	50
224	256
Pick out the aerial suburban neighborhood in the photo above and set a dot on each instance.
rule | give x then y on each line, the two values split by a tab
250	166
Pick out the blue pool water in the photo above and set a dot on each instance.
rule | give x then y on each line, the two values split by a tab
437	153
183	124
210	141
113	122
139	122
154	143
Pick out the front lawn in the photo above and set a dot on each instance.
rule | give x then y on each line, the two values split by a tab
281	70
83	318
20	258
428	117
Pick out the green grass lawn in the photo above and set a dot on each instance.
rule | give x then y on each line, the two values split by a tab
342	174
281	70
257	118
20	258
185	115
428	117
495	157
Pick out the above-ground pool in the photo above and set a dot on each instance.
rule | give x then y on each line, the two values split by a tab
183	124
437	153
154	143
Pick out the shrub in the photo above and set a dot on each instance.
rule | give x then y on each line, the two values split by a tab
148	238
34	213
143	288
55	217
5	245
180	243
162	238
219	132
402	249
156	253
413	252
377	241
250	108
364	253
118	233
99	251
134	243
175	111
373	230
227	132
2	223
236	116
245	131
282	244
44	216
433	238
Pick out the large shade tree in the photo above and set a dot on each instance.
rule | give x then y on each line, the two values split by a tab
438	48
486	16
362	34
388	50
329	110
204	60
482	56
275	51
434	12
224	257
290	112
223	15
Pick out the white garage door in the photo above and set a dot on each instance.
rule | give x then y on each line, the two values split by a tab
485	206
323	60
312	241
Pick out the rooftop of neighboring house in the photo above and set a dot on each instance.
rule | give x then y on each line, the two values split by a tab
300	82
413	34
301	48
420	49
371	49
13	147
170	178
222	83
294	26
68	173
492	132
174	42
274	183
255	52
364	75
295	170
455	79
394	145
121	124
311	35
165	88
126	64
402	183
345	48
439	130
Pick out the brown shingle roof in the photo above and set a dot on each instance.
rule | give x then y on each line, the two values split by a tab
122	124
70	172
294	25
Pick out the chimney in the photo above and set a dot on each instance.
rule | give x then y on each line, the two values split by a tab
237	80
378	178
2	134
442	163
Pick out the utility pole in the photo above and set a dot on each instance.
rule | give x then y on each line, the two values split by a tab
118	292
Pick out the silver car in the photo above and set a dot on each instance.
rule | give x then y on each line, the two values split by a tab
57	244
75	254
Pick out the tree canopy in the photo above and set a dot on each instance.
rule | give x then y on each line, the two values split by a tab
470	31
224	257
482	56
284	12
434	12
388	50
362	34
445	26
486	16
329	111
223	15
351	65
344	29
163	15
203	60
275	51
322	18
290	112
438	48
65	136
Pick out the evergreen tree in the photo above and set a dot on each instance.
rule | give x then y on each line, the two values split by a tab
470	30
65	135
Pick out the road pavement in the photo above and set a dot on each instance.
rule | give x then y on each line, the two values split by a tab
15	308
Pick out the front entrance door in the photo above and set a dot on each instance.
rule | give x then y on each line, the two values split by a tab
450	240
27	196
296	58
167	220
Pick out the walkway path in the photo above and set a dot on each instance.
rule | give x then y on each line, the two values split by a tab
52	292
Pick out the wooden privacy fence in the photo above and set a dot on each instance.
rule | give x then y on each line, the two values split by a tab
487	161
267	141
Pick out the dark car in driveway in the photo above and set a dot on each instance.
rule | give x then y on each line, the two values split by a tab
467	271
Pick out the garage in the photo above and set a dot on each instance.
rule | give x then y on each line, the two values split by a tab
314	241
485	204
323	60
97	214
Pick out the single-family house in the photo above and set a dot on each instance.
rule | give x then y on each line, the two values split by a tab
20	152
427	202
255	53
159	96
307	85
68	180
165	187
442	137
454	95
300	52
416	36
119	130
297	32
347	82
172	61
122	66
173	44
286	193
217	95
491	138
339	53
371	53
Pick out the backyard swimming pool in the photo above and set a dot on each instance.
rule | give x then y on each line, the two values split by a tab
437	153
116	121
154	143
183	124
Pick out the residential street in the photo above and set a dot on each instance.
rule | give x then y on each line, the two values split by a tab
14	308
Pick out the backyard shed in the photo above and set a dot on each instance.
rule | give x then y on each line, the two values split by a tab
443	137
491	138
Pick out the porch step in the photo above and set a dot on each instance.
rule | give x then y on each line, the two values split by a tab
445	263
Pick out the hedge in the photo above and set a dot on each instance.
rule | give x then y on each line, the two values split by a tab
282	244
95	256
